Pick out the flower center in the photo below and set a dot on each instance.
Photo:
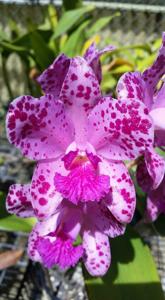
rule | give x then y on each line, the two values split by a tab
83	183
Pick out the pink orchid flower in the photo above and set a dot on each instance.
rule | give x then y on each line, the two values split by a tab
79	138
155	202
133	86
151	171
51	242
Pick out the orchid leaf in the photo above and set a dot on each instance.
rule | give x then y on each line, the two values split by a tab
122	49
52	15
73	41
2	35
145	63
108	82
44	55
13	223
69	19
101	23
132	275
25	39
9	47
122	69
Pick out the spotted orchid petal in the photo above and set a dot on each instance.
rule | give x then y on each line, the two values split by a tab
120	129
156	167
79	92
155	203
157	115
50	244
92	56
150	171
131	86
158	109
144	180
153	74
18	201
45	198
121	199
80	88
51	79
103	220
159	138
39	127
152	210
32	246
97	252
41	229
159	97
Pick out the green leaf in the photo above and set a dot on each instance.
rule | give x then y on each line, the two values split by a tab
10	47
100	24
122	49
43	54
132	274
14	28
13	223
3	35
25	40
108	82
73	42
69	19
145	63
71	4
52	15
121	69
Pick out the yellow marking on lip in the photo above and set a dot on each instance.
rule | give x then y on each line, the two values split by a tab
80	159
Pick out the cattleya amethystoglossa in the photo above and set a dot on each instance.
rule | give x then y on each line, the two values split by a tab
79	139
151	170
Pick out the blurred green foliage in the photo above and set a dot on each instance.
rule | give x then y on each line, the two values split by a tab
71	33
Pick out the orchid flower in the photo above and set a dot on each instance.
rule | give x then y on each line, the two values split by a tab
80	185
151	171
51	242
155	203
133	86
79	138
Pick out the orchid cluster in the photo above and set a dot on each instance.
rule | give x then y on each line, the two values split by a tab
80	139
